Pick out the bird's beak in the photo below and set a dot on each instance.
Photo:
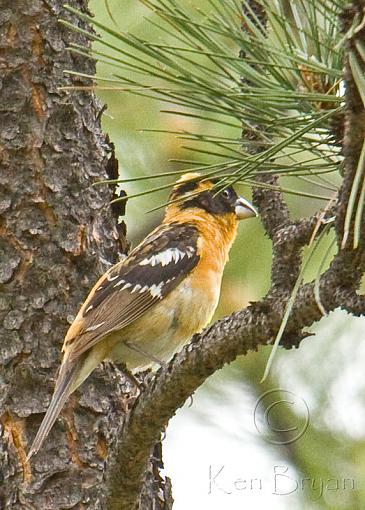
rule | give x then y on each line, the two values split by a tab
244	209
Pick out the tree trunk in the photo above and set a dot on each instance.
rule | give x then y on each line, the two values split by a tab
57	235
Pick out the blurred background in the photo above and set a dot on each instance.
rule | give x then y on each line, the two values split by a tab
295	441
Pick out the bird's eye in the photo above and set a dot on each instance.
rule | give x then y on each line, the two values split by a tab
227	193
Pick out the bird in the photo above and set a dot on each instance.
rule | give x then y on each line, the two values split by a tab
148	305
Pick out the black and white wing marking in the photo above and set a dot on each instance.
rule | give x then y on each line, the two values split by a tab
150	272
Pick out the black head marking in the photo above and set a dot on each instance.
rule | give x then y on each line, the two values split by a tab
213	201
183	188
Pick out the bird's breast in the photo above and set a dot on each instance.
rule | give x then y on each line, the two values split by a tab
170	324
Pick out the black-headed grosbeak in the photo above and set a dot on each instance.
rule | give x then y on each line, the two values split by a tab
146	307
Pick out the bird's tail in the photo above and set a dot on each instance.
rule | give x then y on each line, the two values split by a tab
65	385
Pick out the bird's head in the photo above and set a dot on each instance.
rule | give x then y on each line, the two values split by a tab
194	194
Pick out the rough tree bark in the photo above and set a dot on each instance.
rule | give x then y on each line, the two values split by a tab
57	235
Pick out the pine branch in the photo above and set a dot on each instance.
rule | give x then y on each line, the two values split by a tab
228	338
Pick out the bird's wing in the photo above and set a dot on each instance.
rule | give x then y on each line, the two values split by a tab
131	287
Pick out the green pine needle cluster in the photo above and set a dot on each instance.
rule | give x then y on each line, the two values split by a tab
279	79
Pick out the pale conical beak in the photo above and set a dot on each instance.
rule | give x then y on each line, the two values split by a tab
244	209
